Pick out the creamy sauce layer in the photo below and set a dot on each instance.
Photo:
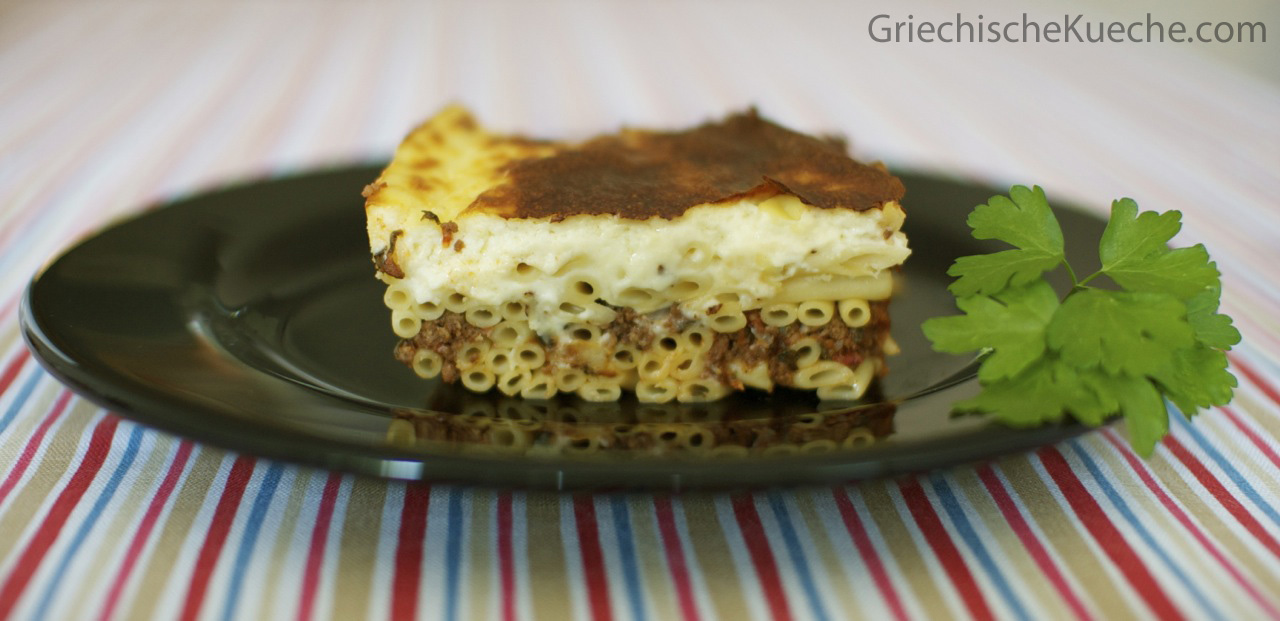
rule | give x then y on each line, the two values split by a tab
741	252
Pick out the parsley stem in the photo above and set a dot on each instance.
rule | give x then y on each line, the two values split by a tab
1072	273
1090	277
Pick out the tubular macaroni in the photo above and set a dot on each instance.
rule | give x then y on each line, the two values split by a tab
540	386
456	302
499	361
859	381
513	381
427	364
508	333
598	389
660	391
823	373
654	366
626	357
780	314
826	287
806	351
428	311
483	316
701	390
855	312
404	323
728	318
472	354
513	311
569	379
529	355
698	338
686	366
815	312
398	296
478	379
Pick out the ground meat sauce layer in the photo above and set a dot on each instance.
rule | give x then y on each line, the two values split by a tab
751	345
639	174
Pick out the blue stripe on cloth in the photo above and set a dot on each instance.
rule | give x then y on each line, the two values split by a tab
252	527
99	505
1118	501
21	399
796	552
1217	457
453	553
627	555
971	539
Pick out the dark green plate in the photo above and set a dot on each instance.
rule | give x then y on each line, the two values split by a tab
249	318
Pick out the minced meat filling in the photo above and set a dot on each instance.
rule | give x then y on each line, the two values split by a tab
759	342
749	346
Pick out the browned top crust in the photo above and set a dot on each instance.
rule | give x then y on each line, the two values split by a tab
638	174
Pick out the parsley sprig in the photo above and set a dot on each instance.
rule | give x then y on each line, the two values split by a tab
1099	351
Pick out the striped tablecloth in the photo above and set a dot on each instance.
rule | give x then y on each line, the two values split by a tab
107	108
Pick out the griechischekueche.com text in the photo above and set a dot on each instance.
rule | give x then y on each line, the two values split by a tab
1071	28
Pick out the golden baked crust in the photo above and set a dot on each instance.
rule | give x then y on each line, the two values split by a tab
450	166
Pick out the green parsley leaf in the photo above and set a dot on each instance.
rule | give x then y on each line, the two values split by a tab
1195	378
1100	403
1012	324
1097	352
1145	417
1132	333
1023	220
1211	328
1135	255
1056	386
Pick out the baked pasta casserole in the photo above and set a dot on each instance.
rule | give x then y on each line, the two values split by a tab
677	265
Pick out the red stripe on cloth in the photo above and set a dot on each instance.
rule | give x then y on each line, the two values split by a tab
506	558
149	520
223	515
29	451
51	526
11	372
862	541
744	509
593	569
1100	527
1219	492
11	304
1186	522
675	557
315	552
1263	446
945	549
1256	379
1023	531
408	563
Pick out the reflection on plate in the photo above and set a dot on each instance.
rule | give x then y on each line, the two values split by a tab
249	318
569	428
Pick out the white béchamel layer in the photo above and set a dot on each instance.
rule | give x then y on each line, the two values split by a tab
747	252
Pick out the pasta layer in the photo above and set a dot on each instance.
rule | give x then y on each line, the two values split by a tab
661	356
